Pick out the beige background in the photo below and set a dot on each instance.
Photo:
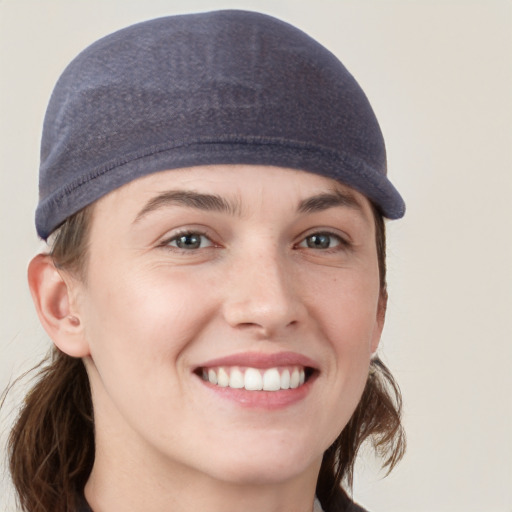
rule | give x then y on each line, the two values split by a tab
439	74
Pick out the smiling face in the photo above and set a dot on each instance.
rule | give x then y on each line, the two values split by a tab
204	286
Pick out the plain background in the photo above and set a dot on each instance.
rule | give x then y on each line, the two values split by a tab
439	75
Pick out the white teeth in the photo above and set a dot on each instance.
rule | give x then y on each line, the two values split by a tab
294	379
285	379
212	376
253	379
236	379
222	378
271	380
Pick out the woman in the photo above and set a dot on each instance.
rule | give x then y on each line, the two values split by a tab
212	187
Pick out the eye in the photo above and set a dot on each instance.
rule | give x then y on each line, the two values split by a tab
321	241
189	241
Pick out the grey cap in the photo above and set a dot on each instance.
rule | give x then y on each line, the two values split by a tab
222	87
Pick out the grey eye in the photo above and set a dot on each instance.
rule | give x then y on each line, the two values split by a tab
320	241
190	241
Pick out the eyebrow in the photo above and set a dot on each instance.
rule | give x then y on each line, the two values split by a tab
216	203
326	200
190	199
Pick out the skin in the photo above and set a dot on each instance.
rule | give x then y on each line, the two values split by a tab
150	313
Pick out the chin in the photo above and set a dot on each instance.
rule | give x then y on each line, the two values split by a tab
266	465
269	472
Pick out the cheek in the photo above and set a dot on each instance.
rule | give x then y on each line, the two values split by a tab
349	320
138	330
348	307
138	323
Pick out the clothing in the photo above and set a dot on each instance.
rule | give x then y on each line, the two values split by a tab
317	507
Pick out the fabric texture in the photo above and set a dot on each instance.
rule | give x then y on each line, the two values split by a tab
317	507
224	87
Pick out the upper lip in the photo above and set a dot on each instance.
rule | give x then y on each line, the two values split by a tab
261	360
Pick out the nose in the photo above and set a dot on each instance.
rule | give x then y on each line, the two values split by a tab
262	294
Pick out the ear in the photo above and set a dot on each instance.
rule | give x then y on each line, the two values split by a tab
379	324
54	298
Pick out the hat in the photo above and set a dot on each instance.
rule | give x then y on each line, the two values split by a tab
223	87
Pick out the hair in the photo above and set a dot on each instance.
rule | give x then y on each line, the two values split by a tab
51	446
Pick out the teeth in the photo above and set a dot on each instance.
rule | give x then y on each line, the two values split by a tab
253	379
212	376
294	379
271	380
285	379
236	379
222	378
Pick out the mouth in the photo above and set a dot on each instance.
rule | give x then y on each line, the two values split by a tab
276	378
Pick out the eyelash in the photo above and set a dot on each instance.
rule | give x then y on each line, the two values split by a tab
183	234
340	242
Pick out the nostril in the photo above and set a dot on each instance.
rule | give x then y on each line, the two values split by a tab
266	319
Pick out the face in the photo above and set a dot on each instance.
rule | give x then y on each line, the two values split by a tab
230	313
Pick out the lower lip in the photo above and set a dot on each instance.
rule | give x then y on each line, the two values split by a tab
263	399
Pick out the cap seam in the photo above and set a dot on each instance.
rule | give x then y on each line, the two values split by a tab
356	163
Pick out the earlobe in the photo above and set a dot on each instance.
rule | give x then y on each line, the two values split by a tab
55	305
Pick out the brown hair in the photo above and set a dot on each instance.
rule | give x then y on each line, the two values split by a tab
51	446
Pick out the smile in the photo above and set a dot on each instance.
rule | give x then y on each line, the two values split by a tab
256	379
